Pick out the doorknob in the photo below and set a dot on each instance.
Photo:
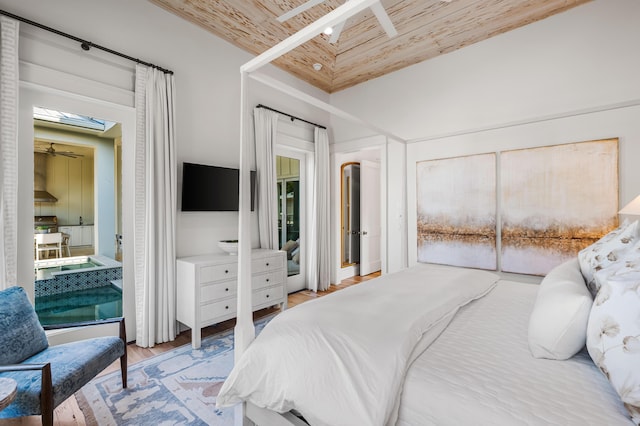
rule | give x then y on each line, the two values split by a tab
364	232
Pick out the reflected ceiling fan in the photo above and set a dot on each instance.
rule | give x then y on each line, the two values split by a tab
376	8
50	150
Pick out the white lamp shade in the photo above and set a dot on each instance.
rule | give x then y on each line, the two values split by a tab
633	208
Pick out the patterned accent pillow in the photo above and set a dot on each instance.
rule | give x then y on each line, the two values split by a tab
605	252
629	261
21	334
613	334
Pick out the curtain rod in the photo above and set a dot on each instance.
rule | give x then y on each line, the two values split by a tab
292	117
86	45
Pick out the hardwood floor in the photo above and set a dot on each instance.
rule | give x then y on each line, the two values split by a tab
69	414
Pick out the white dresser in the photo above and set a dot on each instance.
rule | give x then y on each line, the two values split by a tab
207	287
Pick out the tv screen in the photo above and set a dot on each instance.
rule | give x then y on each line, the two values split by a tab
211	188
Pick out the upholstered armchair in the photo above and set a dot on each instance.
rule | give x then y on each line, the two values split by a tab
48	375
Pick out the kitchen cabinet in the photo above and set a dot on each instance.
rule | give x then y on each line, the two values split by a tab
207	286
79	235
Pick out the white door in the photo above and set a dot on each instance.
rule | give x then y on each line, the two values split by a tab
291	182
370	260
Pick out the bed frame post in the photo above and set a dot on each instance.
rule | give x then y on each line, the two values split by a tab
244	330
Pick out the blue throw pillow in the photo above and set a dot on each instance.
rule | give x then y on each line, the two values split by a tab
21	334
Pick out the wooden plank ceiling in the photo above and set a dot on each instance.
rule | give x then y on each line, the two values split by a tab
426	29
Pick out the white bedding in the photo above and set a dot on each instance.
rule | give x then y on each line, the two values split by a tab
341	359
480	371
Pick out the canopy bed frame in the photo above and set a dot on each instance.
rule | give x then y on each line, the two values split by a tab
247	412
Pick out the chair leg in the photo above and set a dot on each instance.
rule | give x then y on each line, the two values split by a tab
46	397
123	368
123	358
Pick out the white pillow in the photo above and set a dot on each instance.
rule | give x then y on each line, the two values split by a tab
606	251
558	323
613	334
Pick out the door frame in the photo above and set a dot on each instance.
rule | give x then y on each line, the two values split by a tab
36	95
299	282
355	151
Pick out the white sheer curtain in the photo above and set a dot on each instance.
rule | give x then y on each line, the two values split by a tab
319	270
155	207
266	127
8	151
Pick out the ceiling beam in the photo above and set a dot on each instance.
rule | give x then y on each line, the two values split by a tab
334	17
293	12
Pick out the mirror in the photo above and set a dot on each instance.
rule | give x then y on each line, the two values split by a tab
350	213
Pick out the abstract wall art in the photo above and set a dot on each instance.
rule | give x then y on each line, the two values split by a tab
556	200
456	211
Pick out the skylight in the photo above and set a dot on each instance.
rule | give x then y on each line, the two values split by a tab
71	119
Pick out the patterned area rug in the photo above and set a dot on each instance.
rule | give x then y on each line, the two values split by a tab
178	387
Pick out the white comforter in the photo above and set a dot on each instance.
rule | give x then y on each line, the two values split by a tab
341	359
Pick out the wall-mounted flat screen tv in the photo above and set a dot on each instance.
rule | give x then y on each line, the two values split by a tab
212	188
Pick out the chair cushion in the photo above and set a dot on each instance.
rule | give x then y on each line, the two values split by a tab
22	335
72	366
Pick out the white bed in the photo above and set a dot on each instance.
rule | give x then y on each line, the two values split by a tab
479	370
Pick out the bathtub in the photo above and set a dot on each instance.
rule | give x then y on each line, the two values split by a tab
79	288
67	274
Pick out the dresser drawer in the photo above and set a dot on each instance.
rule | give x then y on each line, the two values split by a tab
217	309
268	295
217	291
267	280
266	264
218	272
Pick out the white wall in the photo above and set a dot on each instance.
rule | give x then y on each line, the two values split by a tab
621	123
572	77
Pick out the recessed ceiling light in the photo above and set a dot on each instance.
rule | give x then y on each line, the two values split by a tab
317	66
328	30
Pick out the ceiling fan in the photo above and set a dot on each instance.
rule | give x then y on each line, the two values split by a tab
50	150
376	8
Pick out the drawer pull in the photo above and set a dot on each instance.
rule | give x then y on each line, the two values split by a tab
267	279
267	263
226	289
226	271
267	296
226	307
